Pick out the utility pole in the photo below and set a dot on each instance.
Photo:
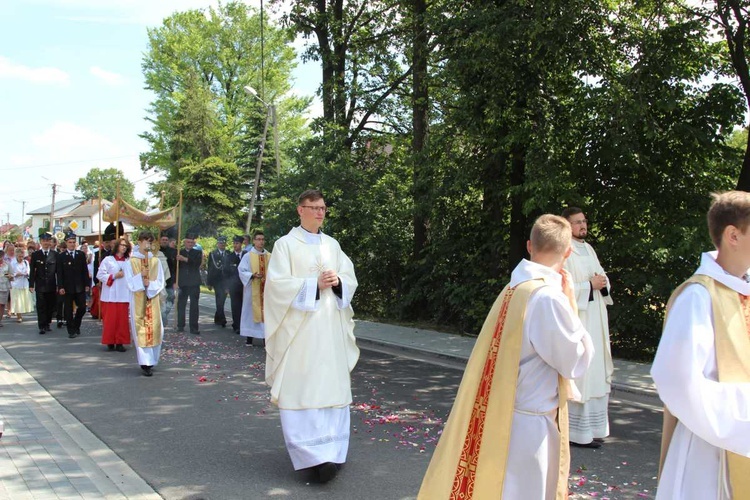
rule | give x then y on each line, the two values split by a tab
52	209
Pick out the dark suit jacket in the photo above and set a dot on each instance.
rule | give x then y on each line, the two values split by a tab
231	275
43	271
190	271
215	268
72	274
171	255
98	258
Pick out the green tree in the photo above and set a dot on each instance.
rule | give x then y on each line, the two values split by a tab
197	64
107	180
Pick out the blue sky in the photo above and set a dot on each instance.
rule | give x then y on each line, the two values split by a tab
72	93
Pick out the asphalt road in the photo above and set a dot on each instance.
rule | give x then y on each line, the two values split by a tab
202	427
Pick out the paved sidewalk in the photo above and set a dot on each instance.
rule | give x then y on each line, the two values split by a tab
45	453
629	376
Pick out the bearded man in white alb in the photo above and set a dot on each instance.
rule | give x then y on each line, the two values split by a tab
310	344
589	421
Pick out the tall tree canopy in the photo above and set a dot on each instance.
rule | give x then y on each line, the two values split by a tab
107	180
197	65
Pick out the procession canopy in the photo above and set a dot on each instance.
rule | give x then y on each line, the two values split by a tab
125	212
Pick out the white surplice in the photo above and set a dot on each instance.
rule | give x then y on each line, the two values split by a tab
310	346
589	418
248	326
554	342
118	291
147	356
712	416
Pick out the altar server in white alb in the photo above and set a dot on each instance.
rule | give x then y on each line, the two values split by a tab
253	269
702	367
589	420
310	343
146	281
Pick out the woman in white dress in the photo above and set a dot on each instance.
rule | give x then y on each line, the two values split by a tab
21	301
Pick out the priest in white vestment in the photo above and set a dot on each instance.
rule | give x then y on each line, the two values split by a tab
146	281
310	344
589	420
253	269
702	368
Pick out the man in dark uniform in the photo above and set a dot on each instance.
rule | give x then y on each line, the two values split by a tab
60	248
215	279
233	283
189	262
43	281
73	283
171	255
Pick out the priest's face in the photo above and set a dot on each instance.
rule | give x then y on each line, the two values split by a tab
189	243
259	242
312	214
580	226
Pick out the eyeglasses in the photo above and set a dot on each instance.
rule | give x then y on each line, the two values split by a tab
320	210
579	222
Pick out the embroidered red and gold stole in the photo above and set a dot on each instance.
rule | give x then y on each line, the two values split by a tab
147	313
472	454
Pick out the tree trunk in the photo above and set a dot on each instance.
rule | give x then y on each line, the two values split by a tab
420	120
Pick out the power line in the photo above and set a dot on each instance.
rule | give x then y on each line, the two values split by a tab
67	163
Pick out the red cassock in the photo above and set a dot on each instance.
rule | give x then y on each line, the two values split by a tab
95	302
116	328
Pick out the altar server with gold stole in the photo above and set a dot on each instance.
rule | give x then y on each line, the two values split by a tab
253	269
310	344
146	281
702	366
506	436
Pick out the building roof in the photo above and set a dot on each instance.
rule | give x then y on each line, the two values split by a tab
88	208
62	207
6	228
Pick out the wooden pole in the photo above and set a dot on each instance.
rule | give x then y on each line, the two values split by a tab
179	240
257	173
99	255
117	202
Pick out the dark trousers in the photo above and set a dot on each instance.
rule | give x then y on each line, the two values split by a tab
60	308
46	303
235	297
74	323
193	293
220	293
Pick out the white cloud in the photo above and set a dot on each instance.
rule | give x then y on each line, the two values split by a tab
145	12
108	77
43	75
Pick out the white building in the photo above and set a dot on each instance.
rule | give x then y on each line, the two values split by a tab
85	213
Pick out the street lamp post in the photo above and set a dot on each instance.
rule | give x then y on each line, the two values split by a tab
270	115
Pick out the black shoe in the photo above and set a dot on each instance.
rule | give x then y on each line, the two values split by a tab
237	332
71	335
47	328
224	324
599	440
146	370
42	332
110	347
59	324
120	348
594	445
249	341
78	332
326	472
180	330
